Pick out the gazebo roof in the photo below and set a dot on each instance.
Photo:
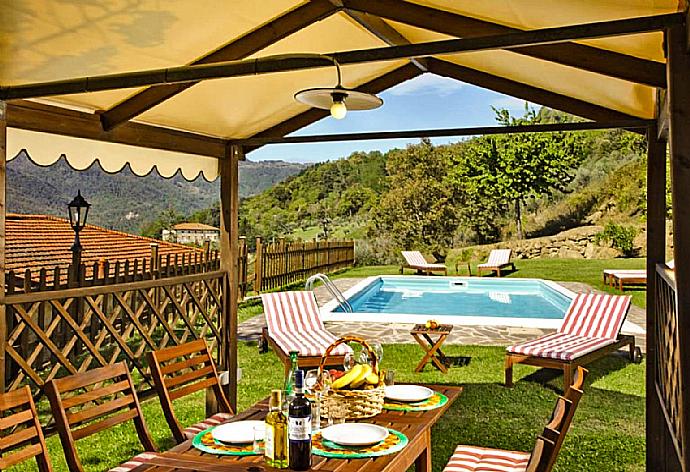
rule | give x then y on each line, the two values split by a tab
604	78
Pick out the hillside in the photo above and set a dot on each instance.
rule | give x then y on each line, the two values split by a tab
124	201
368	196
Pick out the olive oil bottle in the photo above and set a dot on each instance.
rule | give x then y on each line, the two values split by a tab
276	438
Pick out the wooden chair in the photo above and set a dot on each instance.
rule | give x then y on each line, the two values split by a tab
89	402
178	371
294	324
499	259
21	431
415	260
546	448
590	330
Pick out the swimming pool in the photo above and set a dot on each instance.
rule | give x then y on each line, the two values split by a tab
456	300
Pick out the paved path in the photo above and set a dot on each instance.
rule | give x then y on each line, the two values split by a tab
395	333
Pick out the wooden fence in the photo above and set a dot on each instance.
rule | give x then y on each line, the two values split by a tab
669	379
281	263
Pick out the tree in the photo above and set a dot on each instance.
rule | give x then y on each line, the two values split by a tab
530	165
418	211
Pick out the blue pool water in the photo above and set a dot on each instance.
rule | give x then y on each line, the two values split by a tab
452	296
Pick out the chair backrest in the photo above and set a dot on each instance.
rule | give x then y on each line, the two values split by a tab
596	315
179	371
499	257
291	312
21	432
538	459
89	402
414	258
561	418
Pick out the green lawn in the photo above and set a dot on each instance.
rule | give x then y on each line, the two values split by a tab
575	270
607	434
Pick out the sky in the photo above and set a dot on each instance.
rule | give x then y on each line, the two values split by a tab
425	102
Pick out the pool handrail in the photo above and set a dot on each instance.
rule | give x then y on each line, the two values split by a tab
332	289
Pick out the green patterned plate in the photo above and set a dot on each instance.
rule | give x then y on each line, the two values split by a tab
395	442
437	400
204	442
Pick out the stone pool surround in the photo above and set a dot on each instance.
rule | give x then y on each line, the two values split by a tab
397	333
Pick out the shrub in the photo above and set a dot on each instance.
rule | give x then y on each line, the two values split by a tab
619	236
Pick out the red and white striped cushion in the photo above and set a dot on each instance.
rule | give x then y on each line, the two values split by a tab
497	257
209	422
295	325
134	462
564	347
472	458
596	315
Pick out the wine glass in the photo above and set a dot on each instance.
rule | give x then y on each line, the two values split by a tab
378	350
311	381
349	361
326	381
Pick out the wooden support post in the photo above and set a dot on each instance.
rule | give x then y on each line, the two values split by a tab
656	247
678	67
3	208
258	265
229	204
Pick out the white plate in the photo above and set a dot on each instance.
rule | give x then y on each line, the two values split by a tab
355	434
237	432
408	393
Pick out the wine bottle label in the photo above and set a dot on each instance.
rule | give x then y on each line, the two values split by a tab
299	429
269	442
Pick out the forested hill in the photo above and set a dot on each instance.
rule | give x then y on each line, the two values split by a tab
437	197
125	201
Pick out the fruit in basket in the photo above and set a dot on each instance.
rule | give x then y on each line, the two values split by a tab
372	379
347	379
362	377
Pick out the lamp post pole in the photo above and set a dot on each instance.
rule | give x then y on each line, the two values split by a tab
78	211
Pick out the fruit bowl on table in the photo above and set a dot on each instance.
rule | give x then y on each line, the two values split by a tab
361	388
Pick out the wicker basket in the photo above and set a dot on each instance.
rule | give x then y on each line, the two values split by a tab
360	403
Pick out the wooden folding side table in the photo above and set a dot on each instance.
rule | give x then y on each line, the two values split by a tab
432	349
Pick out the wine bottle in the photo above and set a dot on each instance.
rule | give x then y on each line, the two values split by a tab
290	379
276	438
299	426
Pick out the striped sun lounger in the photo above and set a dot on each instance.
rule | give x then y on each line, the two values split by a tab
415	260
293	323
590	330
498	260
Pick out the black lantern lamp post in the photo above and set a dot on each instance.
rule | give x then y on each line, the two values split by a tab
78	212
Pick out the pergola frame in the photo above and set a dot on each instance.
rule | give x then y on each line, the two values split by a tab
666	430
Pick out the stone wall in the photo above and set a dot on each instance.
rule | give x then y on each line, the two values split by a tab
576	243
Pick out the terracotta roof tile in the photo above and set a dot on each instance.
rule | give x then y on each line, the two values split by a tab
194	227
41	241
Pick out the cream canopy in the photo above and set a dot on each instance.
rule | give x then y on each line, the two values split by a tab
45	40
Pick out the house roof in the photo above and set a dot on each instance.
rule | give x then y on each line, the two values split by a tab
194	227
41	241
611	77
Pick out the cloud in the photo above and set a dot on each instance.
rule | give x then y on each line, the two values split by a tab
427	84
511	104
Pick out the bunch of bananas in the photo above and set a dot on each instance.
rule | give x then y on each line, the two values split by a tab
361	376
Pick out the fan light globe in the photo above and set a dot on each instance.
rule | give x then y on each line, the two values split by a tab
338	110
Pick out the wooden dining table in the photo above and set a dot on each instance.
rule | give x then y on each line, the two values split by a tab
416	425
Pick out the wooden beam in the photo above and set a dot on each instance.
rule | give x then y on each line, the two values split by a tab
377	85
3	240
255	40
656	254
57	120
384	32
444	132
526	92
283	63
602	61
229	238
678	63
